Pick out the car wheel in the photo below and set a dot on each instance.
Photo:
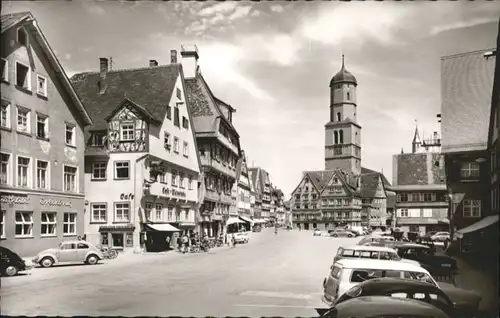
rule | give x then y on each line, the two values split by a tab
10	270
92	259
47	262
334	235
349	235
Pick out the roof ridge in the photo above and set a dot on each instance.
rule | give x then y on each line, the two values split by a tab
466	53
126	69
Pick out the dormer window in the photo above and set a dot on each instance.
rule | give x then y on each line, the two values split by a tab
22	37
98	139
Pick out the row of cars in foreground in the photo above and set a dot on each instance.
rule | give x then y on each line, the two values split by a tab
76	251
394	280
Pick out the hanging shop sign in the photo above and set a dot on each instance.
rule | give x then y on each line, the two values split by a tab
54	202
125	196
173	192
14	199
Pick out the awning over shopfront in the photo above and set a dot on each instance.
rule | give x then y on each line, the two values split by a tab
187	224
117	228
481	224
233	220
246	219
162	227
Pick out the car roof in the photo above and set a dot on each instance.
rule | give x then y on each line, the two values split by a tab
369	248
395	283
361	263
76	241
384	305
412	245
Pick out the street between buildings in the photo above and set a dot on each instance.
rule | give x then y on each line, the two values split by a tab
272	275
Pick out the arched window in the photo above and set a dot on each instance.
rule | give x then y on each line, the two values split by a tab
338	116
336	136
341	137
348	96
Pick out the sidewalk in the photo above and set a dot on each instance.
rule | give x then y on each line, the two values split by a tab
484	282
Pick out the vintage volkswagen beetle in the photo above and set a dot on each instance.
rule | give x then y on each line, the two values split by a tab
69	252
383	306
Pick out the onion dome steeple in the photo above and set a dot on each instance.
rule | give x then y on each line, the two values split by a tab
343	76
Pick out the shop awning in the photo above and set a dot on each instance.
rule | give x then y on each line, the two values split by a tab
162	227
246	219
187	224
233	220
117	228
481	224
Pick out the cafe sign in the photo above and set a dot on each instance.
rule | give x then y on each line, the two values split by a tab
54	202
14	199
171	192
125	196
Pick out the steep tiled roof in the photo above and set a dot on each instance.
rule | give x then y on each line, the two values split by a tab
466	86
11	19
150	87
495	98
369	183
320	178
419	169
204	106
386	182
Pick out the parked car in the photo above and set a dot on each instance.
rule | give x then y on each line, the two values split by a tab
341	233
440	237
455	302
11	263
241	237
376	240
347	273
436	264
316	232
370	252
69	252
403	289
381	306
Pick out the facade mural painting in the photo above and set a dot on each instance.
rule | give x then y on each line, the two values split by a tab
117	141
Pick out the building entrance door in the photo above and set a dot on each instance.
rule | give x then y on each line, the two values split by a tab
117	240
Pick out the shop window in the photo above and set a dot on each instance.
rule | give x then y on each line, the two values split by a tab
24	224
129	239
117	239
104	239
2	224
69	224
48	224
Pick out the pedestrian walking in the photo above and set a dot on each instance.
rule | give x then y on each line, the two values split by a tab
233	240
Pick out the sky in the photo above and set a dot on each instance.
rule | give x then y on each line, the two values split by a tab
273	62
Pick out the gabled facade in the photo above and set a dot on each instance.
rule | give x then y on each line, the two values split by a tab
420	184
254	174
141	168
466	86
218	144
305	200
265	185
244	187
42	123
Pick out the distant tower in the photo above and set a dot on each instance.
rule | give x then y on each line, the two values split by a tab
416	143
342	132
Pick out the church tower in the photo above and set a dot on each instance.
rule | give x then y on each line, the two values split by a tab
342	132
416	143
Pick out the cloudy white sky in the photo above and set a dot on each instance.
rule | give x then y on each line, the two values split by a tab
273	62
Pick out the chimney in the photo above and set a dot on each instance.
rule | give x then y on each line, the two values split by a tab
189	60
103	67
103	71
153	63
173	56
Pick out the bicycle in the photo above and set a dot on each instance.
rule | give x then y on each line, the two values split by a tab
108	252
